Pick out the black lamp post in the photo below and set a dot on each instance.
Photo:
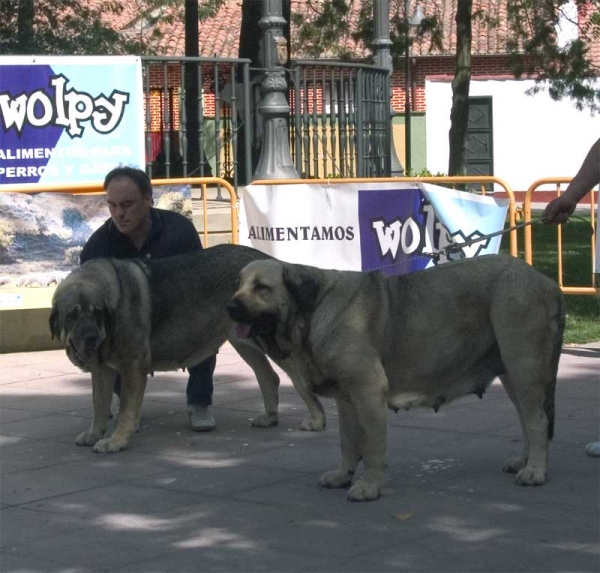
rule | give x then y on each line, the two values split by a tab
411	22
275	160
381	47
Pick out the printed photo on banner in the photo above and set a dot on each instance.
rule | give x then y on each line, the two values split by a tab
66	119
42	234
395	228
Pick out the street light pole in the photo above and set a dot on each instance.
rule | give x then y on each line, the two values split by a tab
381	46
275	160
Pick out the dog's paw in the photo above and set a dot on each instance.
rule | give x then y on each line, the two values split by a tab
514	465
109	446
531	476
87	438
313	424
335	478
364	490
264	421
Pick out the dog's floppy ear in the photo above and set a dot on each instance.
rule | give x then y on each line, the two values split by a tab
54	323
301	284
109	319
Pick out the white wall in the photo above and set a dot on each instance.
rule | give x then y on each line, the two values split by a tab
534	136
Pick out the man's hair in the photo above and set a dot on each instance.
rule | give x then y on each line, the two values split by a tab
138	176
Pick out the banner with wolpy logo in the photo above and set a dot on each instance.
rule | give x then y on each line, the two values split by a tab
393	227
67	119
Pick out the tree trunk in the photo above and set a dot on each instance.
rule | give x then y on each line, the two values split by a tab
250	33
25	27
459	116
198	165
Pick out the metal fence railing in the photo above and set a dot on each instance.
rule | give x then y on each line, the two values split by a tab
557	184
198	118
340	119
201	118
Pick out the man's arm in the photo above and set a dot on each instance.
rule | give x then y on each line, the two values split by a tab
561	208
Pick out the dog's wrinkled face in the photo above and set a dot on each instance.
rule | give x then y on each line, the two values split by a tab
261	301
80	324
273	304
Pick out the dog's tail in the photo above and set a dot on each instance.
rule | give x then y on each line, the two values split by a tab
559	320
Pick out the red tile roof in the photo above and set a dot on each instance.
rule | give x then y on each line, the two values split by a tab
219	36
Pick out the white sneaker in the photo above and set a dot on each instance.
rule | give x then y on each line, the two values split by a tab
201	420
593	449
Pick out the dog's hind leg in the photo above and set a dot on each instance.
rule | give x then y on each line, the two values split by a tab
528	319
268	381
514	465
350	445
529	400
103	381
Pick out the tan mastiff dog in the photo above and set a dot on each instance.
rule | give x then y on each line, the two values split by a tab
422	339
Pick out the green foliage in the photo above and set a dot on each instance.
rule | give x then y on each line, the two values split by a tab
321	27
62	27
565	71
58	27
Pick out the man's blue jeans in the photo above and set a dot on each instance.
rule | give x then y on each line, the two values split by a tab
200	383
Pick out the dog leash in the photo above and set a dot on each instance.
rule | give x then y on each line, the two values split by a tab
454	248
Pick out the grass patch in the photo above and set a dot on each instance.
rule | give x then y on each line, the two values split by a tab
583	311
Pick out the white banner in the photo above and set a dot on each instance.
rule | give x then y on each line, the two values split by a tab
393	227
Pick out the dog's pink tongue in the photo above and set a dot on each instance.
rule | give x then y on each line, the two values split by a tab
242	330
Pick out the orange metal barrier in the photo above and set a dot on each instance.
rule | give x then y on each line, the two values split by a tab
557	182
202	182
453	181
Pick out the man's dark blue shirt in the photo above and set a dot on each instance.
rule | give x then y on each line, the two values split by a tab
171	234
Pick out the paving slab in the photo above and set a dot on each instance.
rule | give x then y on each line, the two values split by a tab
246	499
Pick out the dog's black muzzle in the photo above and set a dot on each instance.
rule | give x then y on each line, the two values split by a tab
84	342
249	326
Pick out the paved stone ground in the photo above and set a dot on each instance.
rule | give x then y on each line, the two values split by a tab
242	499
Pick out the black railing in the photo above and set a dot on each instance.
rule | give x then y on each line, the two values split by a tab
340	124
215	120
339	118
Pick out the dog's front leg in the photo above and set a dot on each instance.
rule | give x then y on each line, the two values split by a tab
133	386
366	392
103	381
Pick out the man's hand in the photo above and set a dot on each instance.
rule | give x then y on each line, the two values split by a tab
559	210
